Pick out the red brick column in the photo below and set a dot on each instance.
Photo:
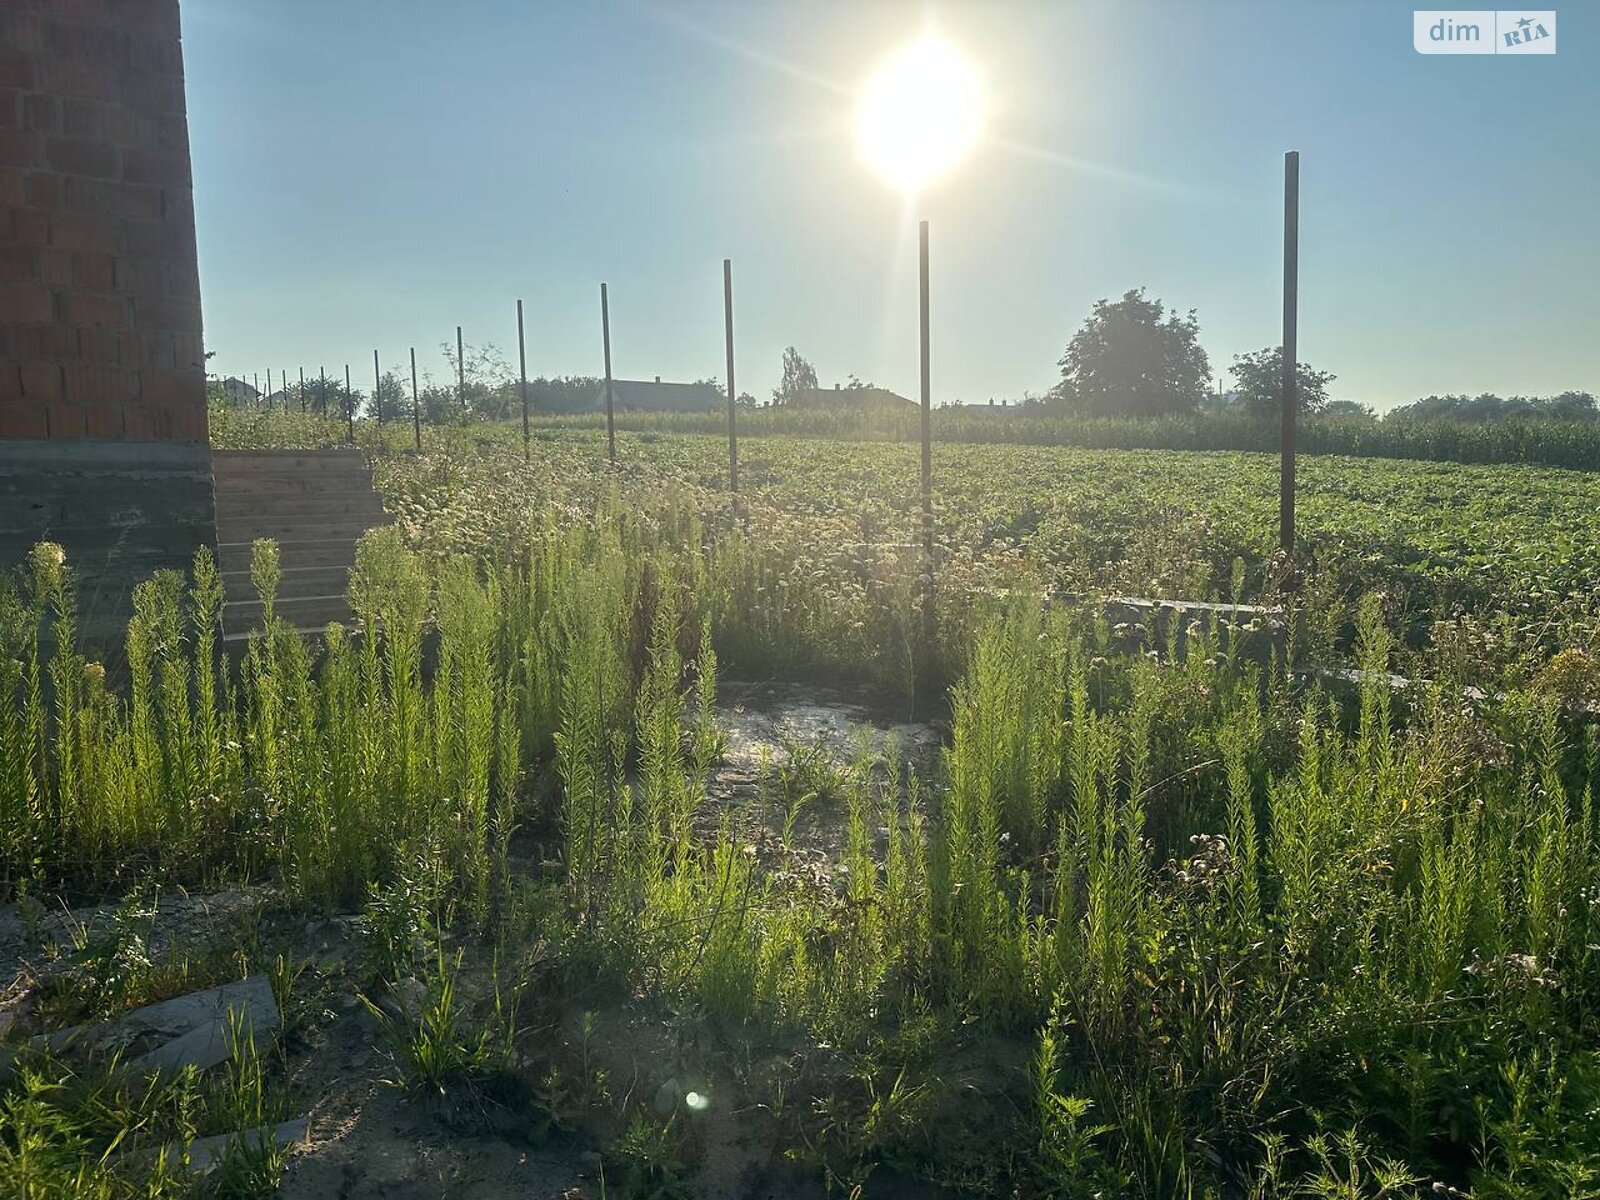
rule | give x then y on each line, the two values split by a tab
100	333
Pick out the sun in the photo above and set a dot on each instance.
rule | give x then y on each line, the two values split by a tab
919	113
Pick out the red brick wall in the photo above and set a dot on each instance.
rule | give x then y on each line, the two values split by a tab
100	331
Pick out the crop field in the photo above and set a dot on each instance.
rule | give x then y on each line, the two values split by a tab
633	845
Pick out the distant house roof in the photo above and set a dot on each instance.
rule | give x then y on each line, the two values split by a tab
852	397
641	395
239	392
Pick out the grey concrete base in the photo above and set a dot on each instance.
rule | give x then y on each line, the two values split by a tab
121	510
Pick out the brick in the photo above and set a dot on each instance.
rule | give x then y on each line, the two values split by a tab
93	383
180	280
152	92
129	351
189	424
46	343
13	188
64	420
19	264
11	109
82	118
88	10
172	388
171	315
17	71
18	148
157	54
177	206
188	350
46	190
41	382
30	227
172	132
77	77
55	267
10	384
104	46
133	130
41	113
22	421
139	275
92	308
26	304
94	272
103	420
142	165
27	32
80	231
102	346
139	424
139	202
77	156
155	349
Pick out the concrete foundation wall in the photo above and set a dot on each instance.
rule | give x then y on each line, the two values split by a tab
122	511
102	371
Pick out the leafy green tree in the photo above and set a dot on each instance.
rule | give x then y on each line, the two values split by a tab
1133	358
569	393
394	398
1349	409
489	387
799	376
1258	378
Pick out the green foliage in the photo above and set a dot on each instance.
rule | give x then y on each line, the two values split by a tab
1252	936
1258	379
1132	358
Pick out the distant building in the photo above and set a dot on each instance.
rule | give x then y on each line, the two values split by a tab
853	399
239	393
640	395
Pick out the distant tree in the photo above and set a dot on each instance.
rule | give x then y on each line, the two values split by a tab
489	386
1349	408
1258	378
393	400
1133	358
439	404
745	400
799	376
1569	406
1486	407
570	393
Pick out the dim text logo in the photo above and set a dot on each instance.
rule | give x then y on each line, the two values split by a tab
1484	31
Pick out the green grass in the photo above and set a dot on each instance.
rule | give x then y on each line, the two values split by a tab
1152	925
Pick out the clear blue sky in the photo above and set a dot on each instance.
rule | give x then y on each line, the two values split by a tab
369	173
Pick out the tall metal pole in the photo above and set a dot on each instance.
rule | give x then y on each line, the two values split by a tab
1290	354
461	375
733	392
349	407
522	362
268	396
377	391
416	409
605	335
927	443
322	390
302	389
255	382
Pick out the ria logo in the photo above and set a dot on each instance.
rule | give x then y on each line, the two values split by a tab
1484	31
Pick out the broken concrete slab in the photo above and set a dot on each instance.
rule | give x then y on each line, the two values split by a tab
194	1030
207	1152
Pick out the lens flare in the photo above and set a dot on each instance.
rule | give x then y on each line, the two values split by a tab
919	114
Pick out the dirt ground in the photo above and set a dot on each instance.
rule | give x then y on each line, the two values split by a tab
370	1140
